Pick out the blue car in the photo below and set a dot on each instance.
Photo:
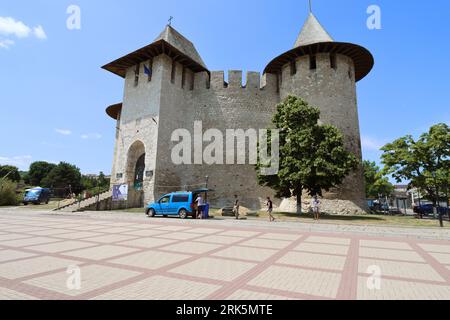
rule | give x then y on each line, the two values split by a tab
179	204
428	209
36	196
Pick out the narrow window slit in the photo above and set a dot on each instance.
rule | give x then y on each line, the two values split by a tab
183	77
136	74
333	62
293	67
174	70
312	62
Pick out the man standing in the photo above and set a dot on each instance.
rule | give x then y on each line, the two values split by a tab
236	207
315	204
200	206
270	209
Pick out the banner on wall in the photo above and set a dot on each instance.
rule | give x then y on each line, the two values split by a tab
120	192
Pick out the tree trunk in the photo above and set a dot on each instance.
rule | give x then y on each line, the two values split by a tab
299	203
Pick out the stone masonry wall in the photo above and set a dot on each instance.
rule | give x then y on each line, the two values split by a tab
333	91
152	111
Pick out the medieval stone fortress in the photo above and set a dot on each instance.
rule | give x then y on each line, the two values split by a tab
168	87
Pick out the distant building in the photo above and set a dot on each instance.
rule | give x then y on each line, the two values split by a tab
401	198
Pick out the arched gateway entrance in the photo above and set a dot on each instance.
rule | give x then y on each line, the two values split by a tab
135	174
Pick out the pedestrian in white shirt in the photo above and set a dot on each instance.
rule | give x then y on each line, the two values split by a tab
315	205
200	206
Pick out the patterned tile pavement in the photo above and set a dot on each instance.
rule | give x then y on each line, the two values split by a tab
173	259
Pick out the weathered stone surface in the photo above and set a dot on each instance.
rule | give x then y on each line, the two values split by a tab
175	99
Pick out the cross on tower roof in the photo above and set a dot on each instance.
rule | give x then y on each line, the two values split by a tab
170	20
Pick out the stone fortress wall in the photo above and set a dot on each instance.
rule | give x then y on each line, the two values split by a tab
176	97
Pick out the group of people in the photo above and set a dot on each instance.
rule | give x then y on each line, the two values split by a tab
315	206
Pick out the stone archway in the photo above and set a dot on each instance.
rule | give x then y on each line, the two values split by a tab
135	174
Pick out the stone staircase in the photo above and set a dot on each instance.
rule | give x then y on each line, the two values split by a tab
86	203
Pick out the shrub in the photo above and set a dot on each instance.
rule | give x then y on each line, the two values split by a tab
8	195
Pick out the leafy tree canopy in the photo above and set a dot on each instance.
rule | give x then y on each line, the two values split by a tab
425	162
38	171
376	183
10	172
62	176
312	156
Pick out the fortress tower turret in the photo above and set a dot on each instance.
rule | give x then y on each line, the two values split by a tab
168	87
324	73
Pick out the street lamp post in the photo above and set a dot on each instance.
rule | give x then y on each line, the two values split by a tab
206	187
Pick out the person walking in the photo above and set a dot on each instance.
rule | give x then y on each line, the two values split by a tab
236	207
270	209
315	204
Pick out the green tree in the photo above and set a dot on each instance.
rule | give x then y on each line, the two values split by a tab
312	156
38	171
103	181
8	196
425	162
10	172
95	185
376	183
64	176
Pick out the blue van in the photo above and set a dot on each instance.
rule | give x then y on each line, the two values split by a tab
174	204
36	196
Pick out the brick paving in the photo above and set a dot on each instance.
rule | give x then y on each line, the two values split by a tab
132	257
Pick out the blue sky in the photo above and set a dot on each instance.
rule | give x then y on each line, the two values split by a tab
53	93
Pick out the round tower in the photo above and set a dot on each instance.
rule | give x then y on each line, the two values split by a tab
324	73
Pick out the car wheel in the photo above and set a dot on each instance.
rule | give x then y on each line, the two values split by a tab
151	213
183	214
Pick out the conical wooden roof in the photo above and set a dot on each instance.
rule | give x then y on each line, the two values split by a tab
312	32
169	42
314	39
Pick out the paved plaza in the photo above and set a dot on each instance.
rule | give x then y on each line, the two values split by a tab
134	257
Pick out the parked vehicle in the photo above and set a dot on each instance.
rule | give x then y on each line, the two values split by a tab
36	196
175	204
428	209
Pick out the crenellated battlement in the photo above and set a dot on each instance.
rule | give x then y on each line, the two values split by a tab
169	72
254	81
320	64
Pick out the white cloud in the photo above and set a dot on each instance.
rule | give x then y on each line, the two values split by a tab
91	136
6	44
22	162
39	32
371	144
10	27
64	132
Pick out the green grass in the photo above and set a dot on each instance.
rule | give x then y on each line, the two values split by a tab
50	206
376	220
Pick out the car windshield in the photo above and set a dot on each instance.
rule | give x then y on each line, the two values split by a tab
32	193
